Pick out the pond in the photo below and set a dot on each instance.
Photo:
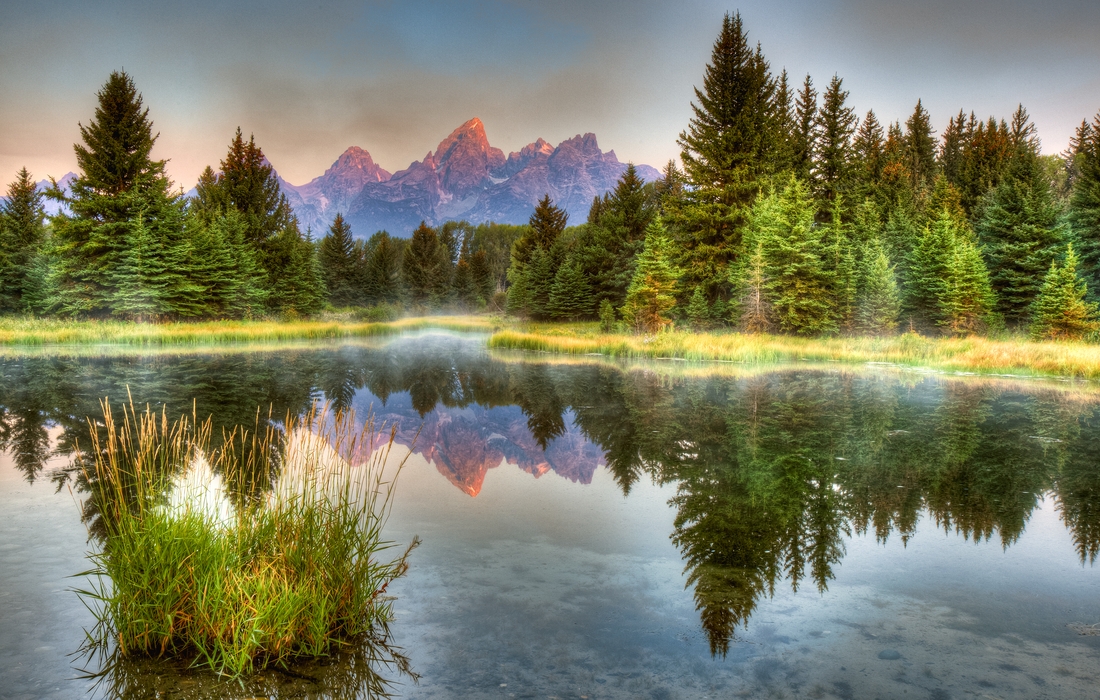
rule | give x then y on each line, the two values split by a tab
594	529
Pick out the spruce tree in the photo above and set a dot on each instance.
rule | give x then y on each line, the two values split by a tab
383	274
1060	312
967	300
570	296
545	225
948	285
422	265
726	152
783	125
141	277
296	285
920	148
1021	235
652	292
539	281
754	308
340	263
835	123
482	276
248	183
698	310
799	288
867	157
928	263
879	302
607	316
22	233
804	141
119	187
1084	206
465	288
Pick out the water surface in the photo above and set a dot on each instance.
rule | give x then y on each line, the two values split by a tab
637	530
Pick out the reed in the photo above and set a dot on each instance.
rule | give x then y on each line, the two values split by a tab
1015	356
22	331
266	550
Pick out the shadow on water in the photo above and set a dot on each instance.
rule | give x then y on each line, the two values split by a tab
771	470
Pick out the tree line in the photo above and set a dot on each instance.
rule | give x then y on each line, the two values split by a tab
792	214
127	244
789	214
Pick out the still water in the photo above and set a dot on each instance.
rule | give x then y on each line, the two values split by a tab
600	530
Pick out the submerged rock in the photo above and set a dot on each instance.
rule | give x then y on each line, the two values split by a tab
889	655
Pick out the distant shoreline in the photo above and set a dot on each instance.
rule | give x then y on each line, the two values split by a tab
1015	356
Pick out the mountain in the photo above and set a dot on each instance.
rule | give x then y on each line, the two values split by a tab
463	178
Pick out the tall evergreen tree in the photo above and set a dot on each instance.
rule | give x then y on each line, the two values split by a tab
835	123
952	144
340	263
422	266
570	296
119	187
867	157
920	148
383	274
1019	230
1061	311
726	151
754	312
1084	206
804	140
465	288
948	284
546	224
22	232
297	287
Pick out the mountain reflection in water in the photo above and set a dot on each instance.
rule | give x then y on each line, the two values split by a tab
771	470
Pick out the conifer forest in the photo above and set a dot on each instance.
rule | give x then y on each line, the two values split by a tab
788	213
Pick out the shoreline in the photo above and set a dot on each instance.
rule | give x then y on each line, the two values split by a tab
1017	357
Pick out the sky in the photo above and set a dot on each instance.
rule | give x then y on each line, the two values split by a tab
309	79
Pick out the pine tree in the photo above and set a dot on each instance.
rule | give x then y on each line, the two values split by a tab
698	310
422	265
248	183
652	292
607	316
726	152
948	285
927	269
22	233
482	276
835	123
967	301
141	277
783	125
1021	235
119	187
339	263
920	148
799	289
867	157
570	296
546	224
383	275
754	310
1084	206
296	286
952	145
879	302
1060	312
804	141
539	281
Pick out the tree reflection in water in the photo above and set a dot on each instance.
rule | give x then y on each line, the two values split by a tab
772	471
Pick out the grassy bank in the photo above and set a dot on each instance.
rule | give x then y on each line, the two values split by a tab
204	560
978	355
40	332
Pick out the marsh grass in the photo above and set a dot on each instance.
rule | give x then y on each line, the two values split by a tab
196	562
1014	356
21	331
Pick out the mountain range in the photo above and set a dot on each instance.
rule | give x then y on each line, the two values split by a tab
463	178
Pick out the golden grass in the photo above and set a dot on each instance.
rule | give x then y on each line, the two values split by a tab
1013	356
42	332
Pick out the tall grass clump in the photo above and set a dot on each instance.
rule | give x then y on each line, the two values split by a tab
265	550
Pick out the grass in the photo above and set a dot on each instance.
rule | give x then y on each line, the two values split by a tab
979	355
198	564
21	331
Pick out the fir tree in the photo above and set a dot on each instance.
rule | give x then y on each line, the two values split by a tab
867	157
726	152
1084	206
383	274
119	186
879	302
465	288
340	263
920	147
698	310
804	140
782	223
652	292
422	265
607	316
1020	234
754	312
784	125
296	286
570	296
248	183
835	123
482	276
546	224
141	277
1061	311
539	281
952	144
22	233
967	300
948	285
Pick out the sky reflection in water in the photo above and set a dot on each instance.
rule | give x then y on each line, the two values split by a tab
791	531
